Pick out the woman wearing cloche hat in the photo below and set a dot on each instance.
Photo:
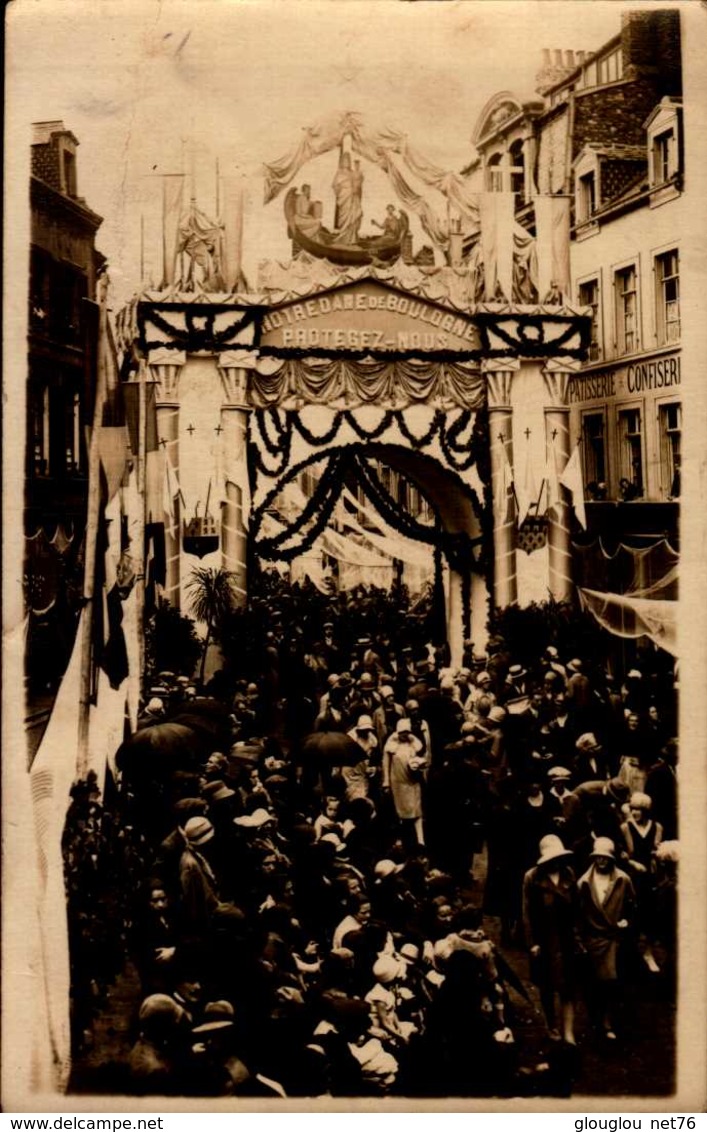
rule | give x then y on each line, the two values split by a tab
549	896
605	902
404	764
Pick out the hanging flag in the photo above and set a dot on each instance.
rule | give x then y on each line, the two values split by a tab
497	225
504	489
105	733
112	431
51	777
526	491
571	478
553	497
552	225
232	213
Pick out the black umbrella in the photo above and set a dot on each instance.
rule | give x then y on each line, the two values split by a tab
333	748
162	744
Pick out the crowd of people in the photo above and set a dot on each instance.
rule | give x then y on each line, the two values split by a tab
336	887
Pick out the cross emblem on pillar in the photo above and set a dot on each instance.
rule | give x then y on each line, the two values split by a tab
527	434
219	429
163	442
191	430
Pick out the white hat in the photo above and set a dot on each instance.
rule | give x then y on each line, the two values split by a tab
155	706
386	691
551	848
255	820
403	726
388	968
575	665
332	839
559	773
387	868
483	677
603	847
365	723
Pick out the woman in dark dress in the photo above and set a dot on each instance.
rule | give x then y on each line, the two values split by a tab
549	904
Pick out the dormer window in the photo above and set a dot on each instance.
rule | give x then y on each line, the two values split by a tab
587	191
587	196
610	67
664	163
664	151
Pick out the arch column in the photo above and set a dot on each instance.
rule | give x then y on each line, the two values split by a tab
499	375
556	376
233	368
165	368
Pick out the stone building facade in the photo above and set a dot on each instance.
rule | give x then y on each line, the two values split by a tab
607	133
64	264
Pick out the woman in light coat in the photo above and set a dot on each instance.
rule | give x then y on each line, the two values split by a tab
404	765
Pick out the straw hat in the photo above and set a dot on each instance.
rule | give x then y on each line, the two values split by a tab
255	820
198	831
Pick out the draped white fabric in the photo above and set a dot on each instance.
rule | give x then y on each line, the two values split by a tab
628	616
391	151
552	220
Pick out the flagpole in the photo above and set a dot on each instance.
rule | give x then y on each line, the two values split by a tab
91	537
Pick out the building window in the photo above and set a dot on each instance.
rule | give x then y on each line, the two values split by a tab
626	311
594	444
73	447
517	168
494	174
587	196
39	430
610	68
668	297
589	297
663	160
630	454
670	423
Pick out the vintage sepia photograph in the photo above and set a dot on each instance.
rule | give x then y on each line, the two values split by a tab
349	600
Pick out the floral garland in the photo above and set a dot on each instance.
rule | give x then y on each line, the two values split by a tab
313	519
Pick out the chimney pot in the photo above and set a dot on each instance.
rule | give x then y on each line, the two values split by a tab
558	57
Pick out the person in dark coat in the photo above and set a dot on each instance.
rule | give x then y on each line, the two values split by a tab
154	941
598	813
662	787
642	836
549	900
197	882
605	908
590	761
159	1058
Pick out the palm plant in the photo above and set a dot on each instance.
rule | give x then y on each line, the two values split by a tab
211	598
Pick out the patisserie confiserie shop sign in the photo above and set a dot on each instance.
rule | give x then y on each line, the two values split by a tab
645	376
367	317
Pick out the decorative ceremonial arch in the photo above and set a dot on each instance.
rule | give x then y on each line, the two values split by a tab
368	370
